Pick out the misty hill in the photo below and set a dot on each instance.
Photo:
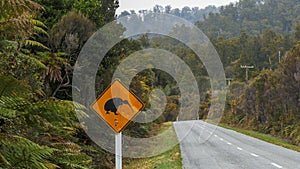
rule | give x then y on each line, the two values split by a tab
253	16
193	14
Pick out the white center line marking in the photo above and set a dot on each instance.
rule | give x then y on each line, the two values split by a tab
276	165
229	143
221	139
216	135
239	148
255	155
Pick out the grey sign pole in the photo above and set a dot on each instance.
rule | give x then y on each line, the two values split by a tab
247	69
118	142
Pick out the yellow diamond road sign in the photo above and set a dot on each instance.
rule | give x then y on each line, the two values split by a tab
117	106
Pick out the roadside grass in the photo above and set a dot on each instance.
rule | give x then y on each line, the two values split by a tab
264	137
167	160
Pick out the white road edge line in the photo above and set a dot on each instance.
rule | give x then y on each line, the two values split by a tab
239	148
276	165
255	155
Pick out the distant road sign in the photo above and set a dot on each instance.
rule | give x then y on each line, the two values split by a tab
117	106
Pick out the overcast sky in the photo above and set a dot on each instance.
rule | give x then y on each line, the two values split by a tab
149	4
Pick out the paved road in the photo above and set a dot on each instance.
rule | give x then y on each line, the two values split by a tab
205	146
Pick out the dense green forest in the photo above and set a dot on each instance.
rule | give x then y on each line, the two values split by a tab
40	41
259	33
264	34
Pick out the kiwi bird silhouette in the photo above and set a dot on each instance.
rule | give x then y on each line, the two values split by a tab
113	104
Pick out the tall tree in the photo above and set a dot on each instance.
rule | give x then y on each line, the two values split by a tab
17	18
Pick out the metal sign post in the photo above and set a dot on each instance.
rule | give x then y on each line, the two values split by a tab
247	69
111	107
118	149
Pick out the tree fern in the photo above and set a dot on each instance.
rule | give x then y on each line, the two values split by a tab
21	65
71	156
17	23
51	123
38	29
15	20
19	152
10	101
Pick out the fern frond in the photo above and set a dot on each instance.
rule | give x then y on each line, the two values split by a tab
13	97
51	165
7	114
39	31
10	86
79	109
4	160
40	92
7	45
35	44
33	61
39	27
70	156
79	161
23	153
38	23
16	18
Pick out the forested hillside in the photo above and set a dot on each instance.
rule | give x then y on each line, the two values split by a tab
192	14
270	102
253	16
264	34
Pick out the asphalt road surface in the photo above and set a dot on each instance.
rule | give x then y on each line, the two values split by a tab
206	146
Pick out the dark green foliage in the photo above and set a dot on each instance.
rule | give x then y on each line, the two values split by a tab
16	18
36	129
50	123
263	51
98	11
54	10
70	34
19	152
21	64
270	103
254	16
